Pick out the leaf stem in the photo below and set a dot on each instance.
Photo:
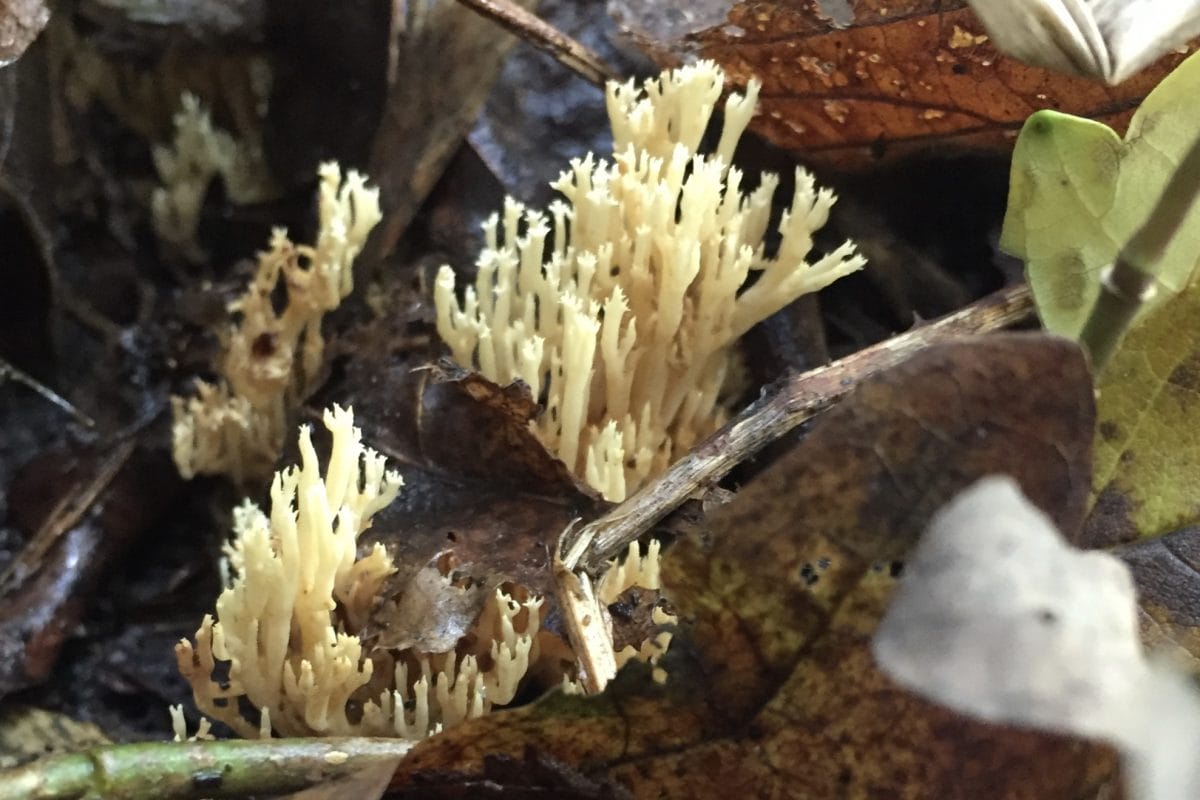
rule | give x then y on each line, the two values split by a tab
1131	280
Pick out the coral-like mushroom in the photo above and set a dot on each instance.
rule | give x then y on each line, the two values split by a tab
621	307
286	625
199	153
271	358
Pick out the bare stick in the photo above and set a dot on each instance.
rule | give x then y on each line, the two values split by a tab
65	516
799	398
545	37
1130	282
588	627
10	372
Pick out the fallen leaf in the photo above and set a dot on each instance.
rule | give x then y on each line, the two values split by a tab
99	512
504	777
851	82
483	502
1078	192
771	690
440	75
1167	573
1147	469
367	783
539	116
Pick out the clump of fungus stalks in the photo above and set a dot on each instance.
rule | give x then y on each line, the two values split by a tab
622	305
286	626
199	153
271	359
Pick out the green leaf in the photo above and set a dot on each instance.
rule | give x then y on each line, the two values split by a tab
1146	478
1078	192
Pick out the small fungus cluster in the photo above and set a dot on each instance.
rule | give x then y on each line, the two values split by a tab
621	306
198	154
286	626
271	359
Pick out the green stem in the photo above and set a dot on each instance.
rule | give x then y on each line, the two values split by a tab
216	769
1130	281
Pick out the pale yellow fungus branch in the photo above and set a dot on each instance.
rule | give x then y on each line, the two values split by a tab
272	359
199	153
286	627
621	305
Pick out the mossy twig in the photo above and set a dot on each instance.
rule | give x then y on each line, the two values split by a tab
215	769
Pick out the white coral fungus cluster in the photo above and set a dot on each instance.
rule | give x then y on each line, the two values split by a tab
285	627
271	359
621	305
199	153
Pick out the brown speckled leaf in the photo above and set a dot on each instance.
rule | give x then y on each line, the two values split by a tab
772	691
850	82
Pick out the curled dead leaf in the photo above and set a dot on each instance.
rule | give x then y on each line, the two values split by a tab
849	83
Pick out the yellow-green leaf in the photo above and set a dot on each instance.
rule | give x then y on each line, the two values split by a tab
1078	192
1146	480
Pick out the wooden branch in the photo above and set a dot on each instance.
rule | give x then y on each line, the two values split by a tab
531	28
796	400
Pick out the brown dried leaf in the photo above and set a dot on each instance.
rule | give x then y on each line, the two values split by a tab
483	501
365	783
440	74
506	778
851	82
429	612
101	506
771	688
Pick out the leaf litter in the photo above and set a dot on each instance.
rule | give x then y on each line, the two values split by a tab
770	666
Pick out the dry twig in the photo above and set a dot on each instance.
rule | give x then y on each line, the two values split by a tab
798	399
533	29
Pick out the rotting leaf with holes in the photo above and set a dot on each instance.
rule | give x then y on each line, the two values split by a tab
850	82
483	501
1147	475
771	689
1078	192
